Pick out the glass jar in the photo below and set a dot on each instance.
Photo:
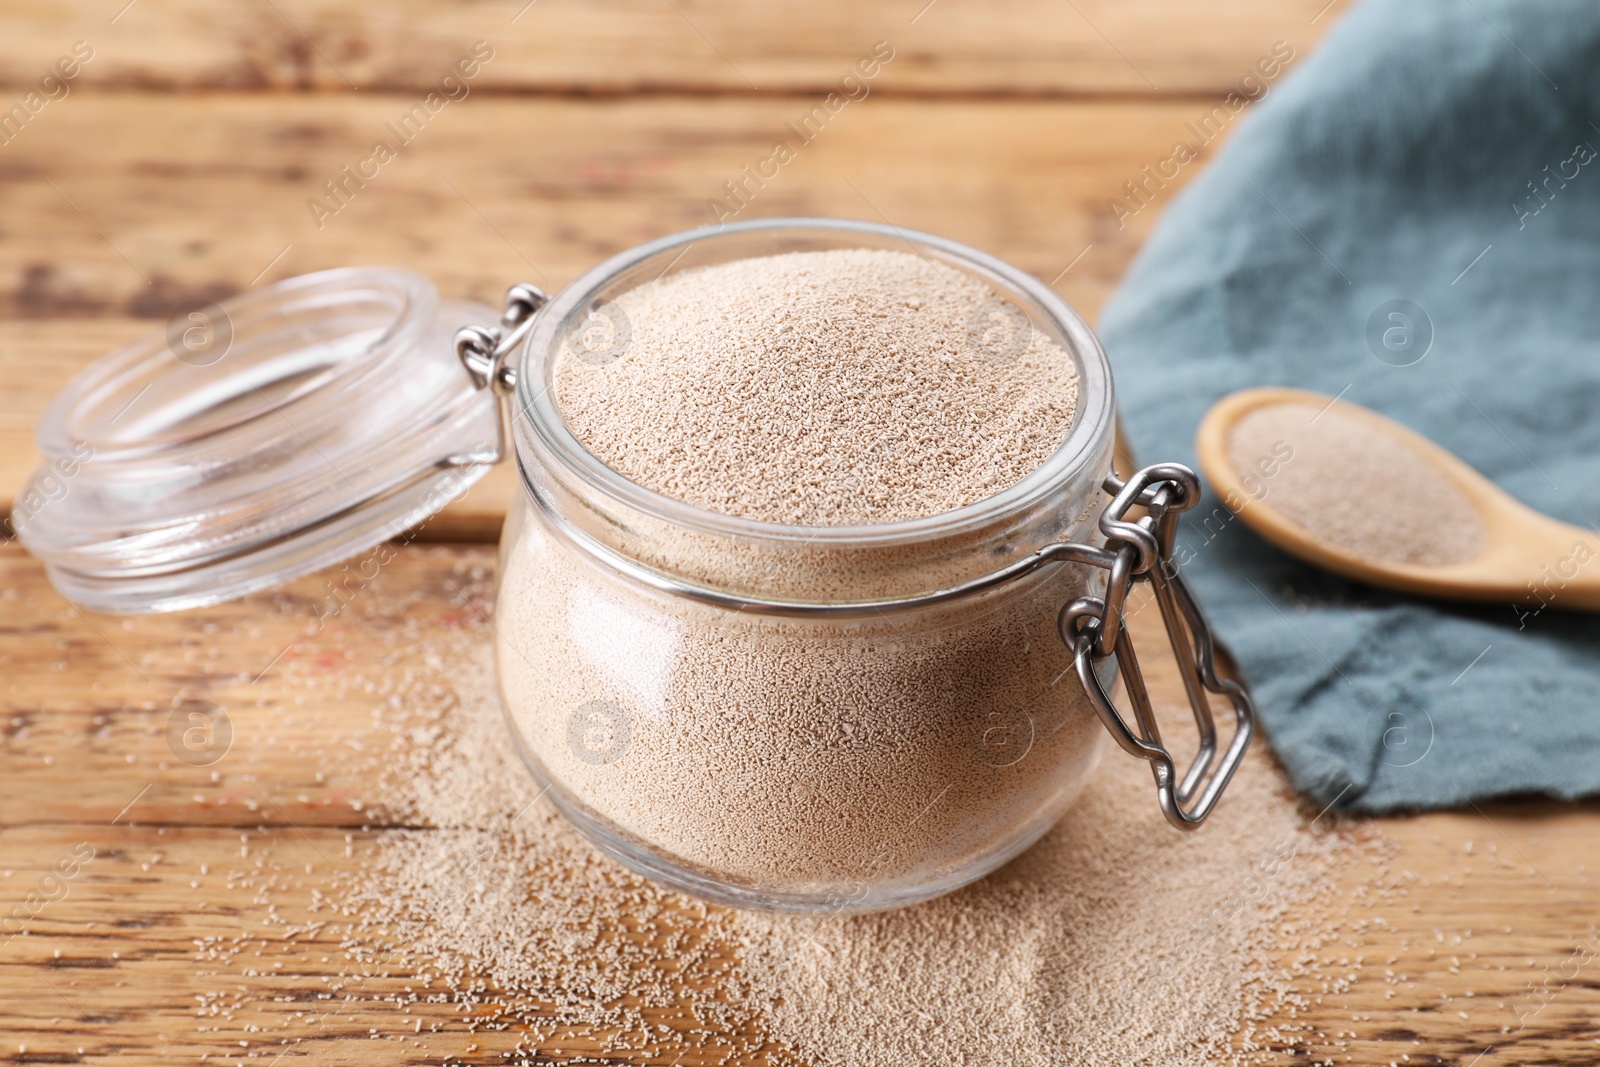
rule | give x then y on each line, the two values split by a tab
805	718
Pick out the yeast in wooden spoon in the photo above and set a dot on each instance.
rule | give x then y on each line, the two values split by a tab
1347	489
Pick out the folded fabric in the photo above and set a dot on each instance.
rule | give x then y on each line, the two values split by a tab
1446	155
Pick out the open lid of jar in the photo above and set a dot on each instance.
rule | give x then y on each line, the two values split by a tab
257	439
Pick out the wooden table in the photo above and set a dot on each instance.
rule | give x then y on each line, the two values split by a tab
179	167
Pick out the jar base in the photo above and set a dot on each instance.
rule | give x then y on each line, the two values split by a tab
839	899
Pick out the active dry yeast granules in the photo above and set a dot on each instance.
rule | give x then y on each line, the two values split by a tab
803	755
819	388
1111	941
1365	491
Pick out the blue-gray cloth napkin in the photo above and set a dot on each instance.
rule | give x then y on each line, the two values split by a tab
1440	153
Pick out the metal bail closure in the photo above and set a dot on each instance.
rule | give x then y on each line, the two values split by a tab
487	351
257	439
1095	628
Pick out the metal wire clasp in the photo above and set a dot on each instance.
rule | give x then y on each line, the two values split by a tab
486	352
1095	628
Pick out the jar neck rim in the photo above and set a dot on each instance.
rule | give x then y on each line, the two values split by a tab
543	438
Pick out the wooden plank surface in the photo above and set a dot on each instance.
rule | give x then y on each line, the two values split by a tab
1471	959
109	226
1030	47
180	164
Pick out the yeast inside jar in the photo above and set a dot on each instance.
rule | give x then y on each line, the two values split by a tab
826	425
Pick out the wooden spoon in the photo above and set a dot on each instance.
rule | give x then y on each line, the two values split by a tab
1527	558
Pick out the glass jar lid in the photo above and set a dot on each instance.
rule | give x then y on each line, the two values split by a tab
257	439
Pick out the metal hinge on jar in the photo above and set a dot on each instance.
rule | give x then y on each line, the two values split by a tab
486	352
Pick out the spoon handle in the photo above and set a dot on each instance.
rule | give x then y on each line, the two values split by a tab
1569	579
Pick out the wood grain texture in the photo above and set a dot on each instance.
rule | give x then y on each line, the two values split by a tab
119	208
189	932
1026	47
180	166
89	698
